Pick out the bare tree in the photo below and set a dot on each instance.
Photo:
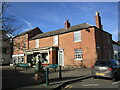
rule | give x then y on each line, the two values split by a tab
7	22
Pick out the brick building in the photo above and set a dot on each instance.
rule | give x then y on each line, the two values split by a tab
21	42
77	45
5	48
116	50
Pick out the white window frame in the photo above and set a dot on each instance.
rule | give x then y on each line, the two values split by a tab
78	54
77	36
55	40
37	43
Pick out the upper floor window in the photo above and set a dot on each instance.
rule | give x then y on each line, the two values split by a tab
108	40
78	54
19	38
77	36
24	36
55	40
24	45
4	50
18	46
37	43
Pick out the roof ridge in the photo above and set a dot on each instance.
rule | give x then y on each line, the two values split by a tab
62	30
26	31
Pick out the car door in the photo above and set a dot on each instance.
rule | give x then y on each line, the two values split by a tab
118	65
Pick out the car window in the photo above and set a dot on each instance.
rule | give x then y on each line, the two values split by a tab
118	63
115	63
102	63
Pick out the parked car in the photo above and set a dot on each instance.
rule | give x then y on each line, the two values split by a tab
109	68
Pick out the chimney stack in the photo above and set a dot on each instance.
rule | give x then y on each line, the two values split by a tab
98	20
67	24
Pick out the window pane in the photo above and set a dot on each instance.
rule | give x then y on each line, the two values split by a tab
77	36
55	40
24	45
37	43
78	54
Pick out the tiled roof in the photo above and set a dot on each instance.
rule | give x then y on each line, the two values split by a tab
117	43
27	31
61	31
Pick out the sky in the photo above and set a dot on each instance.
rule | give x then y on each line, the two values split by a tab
49	16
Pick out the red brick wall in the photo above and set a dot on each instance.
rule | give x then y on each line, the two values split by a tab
66	41
105	49
87	45
22	40
53	57
19	40
46	42
34	32
32	44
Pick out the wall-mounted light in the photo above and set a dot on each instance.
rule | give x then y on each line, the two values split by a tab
88	29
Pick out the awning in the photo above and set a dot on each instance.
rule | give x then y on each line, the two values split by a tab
17	55
28	53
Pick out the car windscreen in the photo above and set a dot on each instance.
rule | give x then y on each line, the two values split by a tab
102	63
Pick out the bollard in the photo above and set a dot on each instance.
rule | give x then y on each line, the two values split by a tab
60	74
47	76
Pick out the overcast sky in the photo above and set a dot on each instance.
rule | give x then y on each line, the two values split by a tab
49	16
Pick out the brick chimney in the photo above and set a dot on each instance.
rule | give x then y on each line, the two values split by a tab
98	20
67	24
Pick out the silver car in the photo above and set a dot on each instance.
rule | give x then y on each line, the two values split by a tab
108	68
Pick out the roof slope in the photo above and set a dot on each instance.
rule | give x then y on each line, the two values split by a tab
114	42
27	31
61	31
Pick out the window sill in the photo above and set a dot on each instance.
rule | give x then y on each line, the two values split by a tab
55	45
77	41
78	59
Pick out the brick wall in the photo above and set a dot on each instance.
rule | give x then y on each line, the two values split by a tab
34	32
90	40
20	40
46	42
87	45
104	45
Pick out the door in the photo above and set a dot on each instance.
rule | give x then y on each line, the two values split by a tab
61	57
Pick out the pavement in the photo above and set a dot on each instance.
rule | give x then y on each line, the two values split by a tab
23	79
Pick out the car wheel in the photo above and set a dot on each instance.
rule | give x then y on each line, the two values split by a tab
94	77
115	78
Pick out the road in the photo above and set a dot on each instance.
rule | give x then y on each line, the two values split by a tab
94	83
77	78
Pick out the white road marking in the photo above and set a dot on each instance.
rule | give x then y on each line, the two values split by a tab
91	85
116	82
68	86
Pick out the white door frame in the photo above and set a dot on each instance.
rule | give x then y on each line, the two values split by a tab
59	51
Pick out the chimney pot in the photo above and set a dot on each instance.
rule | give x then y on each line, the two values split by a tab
98	20
97	13
67	24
